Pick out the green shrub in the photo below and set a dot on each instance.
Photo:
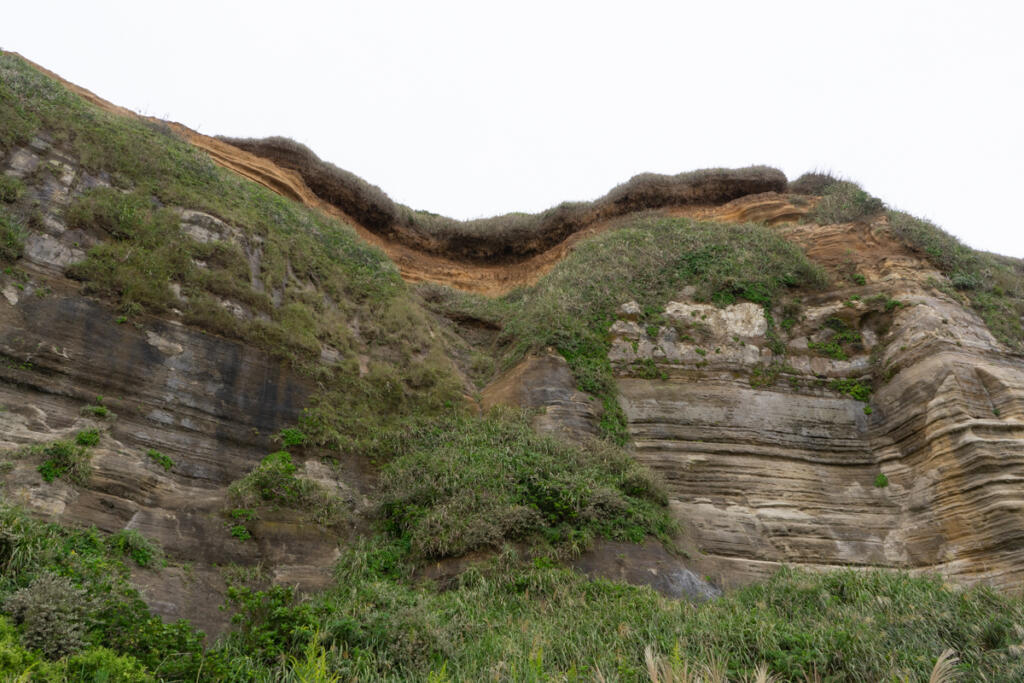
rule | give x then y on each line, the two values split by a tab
87	437
65	459
240	532
466	482
53	614
96	411
881	481
160	459
274	481
11	188
131	543
852	388
291	437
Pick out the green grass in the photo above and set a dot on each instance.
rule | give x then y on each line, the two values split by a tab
87	437
467	483
993	284
64	459
160	459
11	189
118	622
515	620
845	202
512	619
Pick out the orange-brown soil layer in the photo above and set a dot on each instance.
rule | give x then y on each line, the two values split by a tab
418	265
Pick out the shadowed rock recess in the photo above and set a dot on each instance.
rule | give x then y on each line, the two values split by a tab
241	379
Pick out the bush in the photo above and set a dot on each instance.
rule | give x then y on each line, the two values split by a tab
466	482
291	437
87	437
65	459
881	481
131	543
812	183
10	188
53	614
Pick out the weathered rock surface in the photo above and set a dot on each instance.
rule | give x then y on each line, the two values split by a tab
768	463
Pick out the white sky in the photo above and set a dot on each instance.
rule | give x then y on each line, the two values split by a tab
476	108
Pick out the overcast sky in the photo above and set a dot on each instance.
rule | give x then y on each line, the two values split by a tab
475	108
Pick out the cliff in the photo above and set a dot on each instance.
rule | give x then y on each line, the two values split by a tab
740	374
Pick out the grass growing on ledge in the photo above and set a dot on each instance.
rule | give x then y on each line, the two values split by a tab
466	483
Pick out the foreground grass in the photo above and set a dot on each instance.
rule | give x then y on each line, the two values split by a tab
512	621
505	619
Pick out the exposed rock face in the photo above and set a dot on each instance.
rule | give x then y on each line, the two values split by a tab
209	404
768	462
545	382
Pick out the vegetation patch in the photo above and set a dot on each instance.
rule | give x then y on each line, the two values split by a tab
160	459
143	551
12	237
466	483
993	284
11	189
852	388
64	459
274	482
515	620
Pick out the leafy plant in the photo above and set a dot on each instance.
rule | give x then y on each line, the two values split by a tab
12	238
53	614
466	483
11	188
87	437
143	551
160	459
881	481
290	437
64	459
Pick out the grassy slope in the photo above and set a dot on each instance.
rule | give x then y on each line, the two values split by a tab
447	483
